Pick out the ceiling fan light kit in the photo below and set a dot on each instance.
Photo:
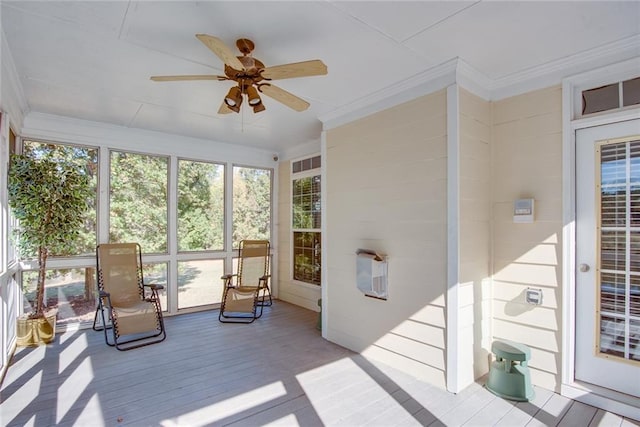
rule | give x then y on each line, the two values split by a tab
258	107
252	95
252	76
234	98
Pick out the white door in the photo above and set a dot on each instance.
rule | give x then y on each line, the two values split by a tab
608	256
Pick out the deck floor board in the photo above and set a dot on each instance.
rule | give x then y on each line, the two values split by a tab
276	371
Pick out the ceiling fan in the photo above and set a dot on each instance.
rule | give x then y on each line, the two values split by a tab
252	77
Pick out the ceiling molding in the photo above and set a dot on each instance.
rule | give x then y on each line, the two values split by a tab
459	71
473	80
17	105
437	78
552	73
301	150
429	81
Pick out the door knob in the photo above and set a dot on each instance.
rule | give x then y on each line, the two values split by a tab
584	268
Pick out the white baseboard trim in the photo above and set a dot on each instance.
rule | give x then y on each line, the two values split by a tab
299	301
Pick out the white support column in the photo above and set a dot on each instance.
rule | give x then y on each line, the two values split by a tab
103	195
323	229
453	237
228	217
275	243
172	243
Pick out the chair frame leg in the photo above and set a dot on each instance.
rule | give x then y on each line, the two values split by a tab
101	308
261	300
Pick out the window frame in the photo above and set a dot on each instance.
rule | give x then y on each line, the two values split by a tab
309	173
225	217
574	86
113	142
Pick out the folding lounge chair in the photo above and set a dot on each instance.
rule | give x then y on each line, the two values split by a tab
246	293
126	306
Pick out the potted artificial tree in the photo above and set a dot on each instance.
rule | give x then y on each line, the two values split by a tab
49	198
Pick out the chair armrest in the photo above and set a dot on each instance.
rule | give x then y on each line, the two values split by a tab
265	279
228	280
154	286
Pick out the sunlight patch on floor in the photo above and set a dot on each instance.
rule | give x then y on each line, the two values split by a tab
335	387
73	387
287	420
27	363
27	392
72	350
87	417
228	407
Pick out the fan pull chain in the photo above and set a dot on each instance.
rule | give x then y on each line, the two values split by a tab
242	120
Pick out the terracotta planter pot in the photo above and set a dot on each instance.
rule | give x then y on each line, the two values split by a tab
33	332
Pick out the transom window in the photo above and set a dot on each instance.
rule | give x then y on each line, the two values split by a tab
611	97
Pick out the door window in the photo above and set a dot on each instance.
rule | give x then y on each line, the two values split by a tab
618	279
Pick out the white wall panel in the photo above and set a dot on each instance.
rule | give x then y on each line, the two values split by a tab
526	161
386	191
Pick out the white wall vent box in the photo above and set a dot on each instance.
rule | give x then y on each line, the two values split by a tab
523	210
371	273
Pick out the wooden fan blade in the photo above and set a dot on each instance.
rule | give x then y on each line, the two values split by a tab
281	95
221	50
298	69
224	109
191	77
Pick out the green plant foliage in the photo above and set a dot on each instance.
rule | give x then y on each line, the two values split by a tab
86	159
200	206
138	200
49	198
251	204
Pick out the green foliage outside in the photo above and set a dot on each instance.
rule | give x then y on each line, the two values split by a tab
306	203
200	206
138	200
251	204
306	216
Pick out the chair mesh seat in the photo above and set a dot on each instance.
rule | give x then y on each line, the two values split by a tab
126	306
136	319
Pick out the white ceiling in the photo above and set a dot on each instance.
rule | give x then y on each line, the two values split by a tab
92	60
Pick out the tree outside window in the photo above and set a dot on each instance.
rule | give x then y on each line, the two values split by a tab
200	206
251	204
138	200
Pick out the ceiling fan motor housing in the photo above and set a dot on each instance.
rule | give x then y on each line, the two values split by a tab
245	46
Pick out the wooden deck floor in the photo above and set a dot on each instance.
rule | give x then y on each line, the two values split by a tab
276	371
